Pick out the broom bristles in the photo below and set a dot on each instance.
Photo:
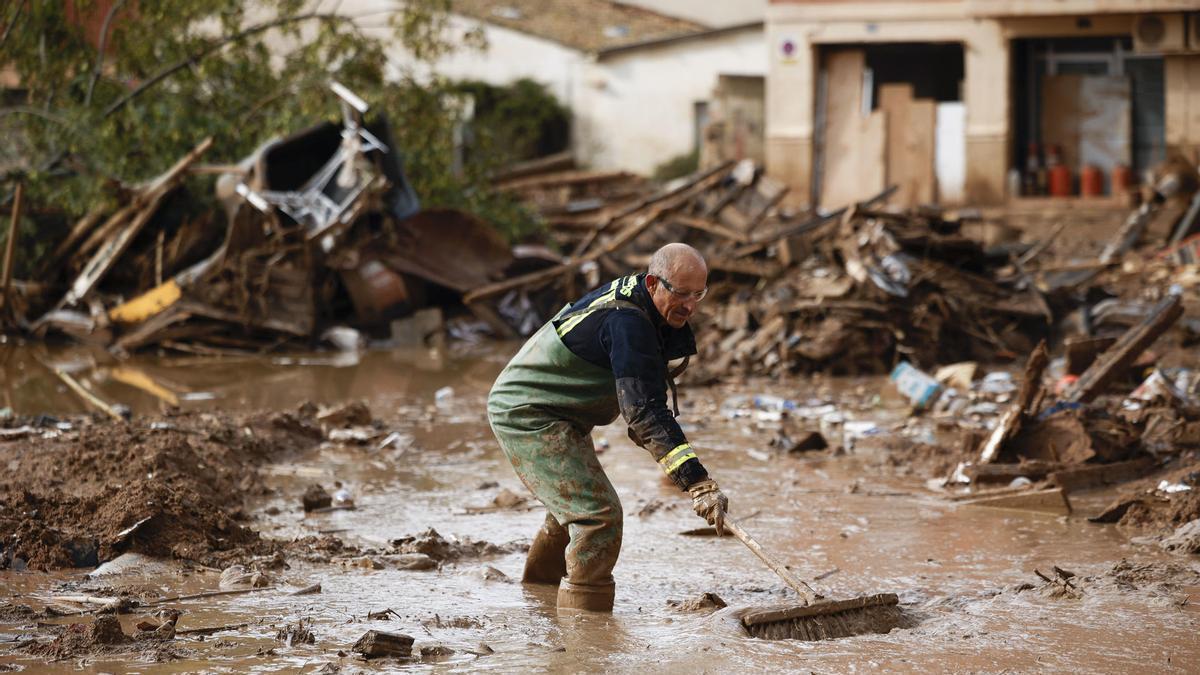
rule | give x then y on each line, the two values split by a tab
822	621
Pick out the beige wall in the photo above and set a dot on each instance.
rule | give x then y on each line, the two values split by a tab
986	89
1182	75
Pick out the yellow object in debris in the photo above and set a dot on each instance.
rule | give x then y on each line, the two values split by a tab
136	378
147	304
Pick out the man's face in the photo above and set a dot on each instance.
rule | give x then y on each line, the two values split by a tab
676	299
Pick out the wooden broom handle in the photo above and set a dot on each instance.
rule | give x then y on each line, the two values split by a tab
810	596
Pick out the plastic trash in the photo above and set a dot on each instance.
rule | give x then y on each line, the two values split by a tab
768	402
443	395
917	385
999	382
343	497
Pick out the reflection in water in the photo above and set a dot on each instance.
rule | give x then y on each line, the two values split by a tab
953	567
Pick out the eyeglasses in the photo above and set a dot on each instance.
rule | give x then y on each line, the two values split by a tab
685	295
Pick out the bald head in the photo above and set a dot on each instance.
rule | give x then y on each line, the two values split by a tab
675	258
676	279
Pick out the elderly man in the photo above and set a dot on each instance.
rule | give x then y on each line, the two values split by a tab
606	353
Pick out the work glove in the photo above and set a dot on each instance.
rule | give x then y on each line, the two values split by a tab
709	503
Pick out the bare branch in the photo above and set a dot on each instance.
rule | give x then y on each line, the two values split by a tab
212	47
29	110
15	19
112	12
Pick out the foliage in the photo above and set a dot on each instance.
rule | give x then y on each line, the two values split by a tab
173	72
677	167
517	122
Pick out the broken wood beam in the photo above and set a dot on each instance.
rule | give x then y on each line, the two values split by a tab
682	193
1049	500
1042	245
761	215
10	247
1088	476
1127	348
631	232
87	396
51	262
712	227
1034	470
107	255
1010	421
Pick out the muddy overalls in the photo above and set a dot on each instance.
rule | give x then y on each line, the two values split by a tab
542	409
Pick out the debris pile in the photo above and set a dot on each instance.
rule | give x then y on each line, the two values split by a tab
320	237
172	487
1093	430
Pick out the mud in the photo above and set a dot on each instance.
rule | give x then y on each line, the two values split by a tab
172	486
413	559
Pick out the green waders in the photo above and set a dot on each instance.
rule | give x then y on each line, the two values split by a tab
542	409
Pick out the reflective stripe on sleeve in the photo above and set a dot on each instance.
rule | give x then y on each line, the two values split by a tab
676	457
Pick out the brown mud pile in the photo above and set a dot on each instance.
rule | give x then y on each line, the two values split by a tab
169	487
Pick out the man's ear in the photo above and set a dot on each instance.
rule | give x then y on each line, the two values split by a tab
651	282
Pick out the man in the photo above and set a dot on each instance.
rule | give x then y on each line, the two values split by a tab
606	353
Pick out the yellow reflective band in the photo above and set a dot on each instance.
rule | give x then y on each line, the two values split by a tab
669	461
676	464
627	288
574	321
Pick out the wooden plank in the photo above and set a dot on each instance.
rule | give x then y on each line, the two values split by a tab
10	245
1051	500
1127	348
843	115
1010	421
922	150
872	155
111	251
1098	475
896	99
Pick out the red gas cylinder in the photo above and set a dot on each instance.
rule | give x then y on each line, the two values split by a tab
1122	179
1060	181
1091	181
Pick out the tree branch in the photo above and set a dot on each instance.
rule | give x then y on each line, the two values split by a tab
29	110
112	12
214	46
15	19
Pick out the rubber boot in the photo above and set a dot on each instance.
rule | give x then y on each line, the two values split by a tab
546	562
598	598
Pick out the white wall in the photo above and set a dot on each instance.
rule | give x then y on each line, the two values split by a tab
635	109
511	55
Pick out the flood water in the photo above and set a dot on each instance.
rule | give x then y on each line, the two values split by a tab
858	526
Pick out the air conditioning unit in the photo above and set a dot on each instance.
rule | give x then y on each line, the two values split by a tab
1161	34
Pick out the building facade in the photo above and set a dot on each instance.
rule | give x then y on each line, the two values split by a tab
1088	83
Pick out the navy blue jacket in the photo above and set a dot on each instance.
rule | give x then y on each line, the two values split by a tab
636	344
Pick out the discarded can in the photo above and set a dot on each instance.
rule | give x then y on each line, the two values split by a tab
918	386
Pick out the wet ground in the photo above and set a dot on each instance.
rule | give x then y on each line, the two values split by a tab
849	520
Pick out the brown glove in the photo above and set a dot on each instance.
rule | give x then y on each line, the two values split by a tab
709	503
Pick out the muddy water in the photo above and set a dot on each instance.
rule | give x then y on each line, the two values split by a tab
953	566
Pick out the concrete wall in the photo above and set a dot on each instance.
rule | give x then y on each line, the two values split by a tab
792	77
636	109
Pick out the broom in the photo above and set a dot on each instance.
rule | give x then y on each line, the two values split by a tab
817	618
